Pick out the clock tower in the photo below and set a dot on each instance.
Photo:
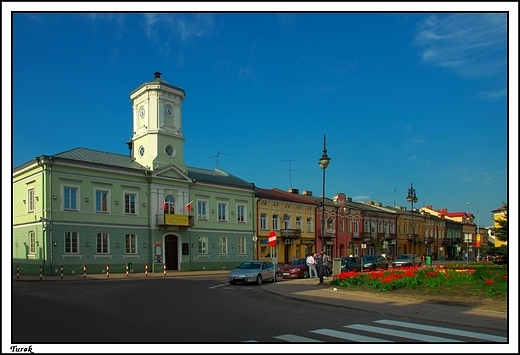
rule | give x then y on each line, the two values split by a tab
157	138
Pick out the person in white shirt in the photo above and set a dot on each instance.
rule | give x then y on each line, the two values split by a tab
311	263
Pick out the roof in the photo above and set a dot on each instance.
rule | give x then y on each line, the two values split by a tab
157	80
217	176
277	194
99	157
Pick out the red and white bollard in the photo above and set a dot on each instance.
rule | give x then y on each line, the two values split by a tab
40	272
164	268
84	271
146	270
61	271
107	272
126	270
17	272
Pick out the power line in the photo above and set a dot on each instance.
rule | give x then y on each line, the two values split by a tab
290	170
217	156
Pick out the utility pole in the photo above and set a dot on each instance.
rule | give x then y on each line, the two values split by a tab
290	170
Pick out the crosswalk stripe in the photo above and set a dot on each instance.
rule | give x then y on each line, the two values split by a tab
400	333
350	336
296	339
464	333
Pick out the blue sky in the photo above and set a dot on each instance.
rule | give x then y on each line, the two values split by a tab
416	97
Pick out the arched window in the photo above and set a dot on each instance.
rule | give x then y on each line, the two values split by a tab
168	205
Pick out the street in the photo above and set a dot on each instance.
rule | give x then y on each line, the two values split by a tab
203	309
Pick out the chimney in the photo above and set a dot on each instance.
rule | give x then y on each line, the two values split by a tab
306	193
293	191
429	207
349	199
379	204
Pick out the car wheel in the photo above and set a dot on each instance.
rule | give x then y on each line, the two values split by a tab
259	280
305	274
276	277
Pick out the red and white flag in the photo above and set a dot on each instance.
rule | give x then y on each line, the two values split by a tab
188	206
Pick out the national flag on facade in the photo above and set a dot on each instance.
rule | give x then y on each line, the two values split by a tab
164	205
188	206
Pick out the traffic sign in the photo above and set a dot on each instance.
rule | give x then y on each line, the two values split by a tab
478	237
272	238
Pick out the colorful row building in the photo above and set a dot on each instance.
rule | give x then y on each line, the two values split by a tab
85	208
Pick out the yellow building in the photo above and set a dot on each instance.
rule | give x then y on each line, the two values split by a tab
498	214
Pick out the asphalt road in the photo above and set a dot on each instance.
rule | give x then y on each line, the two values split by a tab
202	310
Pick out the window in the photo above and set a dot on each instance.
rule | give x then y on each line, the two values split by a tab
168	205
356	226
201	209
130	243
203	245
241	245
341	225
30	200
141	151
287	222
222	217
101	201
32	243
70	198
299	223
222	245
241	211
102	243
309	225
71	242
276	220
130	200
263	221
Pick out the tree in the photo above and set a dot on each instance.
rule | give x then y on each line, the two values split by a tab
501	231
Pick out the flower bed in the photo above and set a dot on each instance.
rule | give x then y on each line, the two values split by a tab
490	281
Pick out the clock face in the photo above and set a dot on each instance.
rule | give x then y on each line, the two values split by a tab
168	110
170	150
142	112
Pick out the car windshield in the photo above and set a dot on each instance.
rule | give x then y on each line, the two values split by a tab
404	257
369	258
249	265
298	262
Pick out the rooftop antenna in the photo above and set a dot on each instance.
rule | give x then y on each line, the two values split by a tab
290	171
218	154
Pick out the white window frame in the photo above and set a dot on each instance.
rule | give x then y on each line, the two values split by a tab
202	210
241	245
241	213
222	245
69	238
103	194
130	243
222	212
32	243
131	203
202	245
276	222
71	203
105	245
309	225
263	221
30	200
299	223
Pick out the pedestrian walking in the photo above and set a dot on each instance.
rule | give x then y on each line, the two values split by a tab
326	270
311	263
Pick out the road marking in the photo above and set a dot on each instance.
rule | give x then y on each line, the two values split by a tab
350	336
402	334
432	328
296	339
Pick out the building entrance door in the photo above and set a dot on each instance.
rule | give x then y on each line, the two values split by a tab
171	252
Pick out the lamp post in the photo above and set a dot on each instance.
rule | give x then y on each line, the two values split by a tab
412	198
477	231
324	163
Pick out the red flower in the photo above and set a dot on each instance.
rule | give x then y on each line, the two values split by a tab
489	282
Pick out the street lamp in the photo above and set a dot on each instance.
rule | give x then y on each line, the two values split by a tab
412	198
324	163
477	233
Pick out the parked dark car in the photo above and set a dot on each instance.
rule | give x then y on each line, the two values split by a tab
374	262
350	263
296	270
500	259
407	260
